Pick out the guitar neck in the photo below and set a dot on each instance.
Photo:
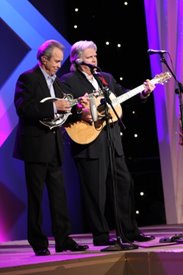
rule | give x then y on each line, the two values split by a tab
137	90
128	95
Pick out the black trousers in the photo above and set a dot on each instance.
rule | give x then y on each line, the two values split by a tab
37	176
96	182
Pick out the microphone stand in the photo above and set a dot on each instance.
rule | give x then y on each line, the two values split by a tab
178	91
177	237
120	245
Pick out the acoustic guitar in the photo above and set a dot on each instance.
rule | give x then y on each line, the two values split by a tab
83	132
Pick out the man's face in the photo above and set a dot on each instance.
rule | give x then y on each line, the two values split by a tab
89	56
52	65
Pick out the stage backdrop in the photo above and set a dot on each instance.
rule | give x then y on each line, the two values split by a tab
164	21
23	28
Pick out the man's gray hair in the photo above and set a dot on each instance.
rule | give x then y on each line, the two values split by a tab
76	51
47	47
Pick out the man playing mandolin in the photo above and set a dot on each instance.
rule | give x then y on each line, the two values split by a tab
41	149
93	157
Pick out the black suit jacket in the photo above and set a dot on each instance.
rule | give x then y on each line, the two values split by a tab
35	142
76	83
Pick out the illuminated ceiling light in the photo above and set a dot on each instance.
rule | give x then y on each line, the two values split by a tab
76	9
107	43
125	3
121	78
141	193
137	212
119	45
135	135
133	112
75	26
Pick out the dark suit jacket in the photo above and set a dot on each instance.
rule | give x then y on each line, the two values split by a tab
35	142
76	83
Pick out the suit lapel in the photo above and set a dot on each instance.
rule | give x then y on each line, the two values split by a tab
86	83
57	88
42	82
44	86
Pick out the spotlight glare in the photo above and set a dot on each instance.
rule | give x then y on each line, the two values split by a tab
137	212
125	3
135	135
107	43
75	26
141	193
119	45
76	9
121	78
133	112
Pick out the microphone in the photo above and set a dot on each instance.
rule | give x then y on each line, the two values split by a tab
151	51
93	109
91	66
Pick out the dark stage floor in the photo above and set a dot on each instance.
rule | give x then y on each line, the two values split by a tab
151	258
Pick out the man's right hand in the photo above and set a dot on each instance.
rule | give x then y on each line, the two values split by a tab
86	115
63	105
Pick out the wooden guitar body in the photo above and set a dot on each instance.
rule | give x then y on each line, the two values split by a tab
83	132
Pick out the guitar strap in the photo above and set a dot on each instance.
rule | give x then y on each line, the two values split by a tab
101	80
104	86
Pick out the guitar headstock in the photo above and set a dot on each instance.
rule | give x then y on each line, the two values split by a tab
162	78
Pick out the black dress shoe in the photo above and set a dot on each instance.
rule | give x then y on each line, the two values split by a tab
104	243
171	239
70	244
141	238
42	252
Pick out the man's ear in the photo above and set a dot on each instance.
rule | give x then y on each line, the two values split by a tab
43	59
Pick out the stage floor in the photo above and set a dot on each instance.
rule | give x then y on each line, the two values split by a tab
151	258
